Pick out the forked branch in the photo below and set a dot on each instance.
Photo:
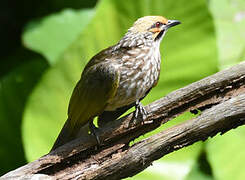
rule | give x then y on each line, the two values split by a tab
220	98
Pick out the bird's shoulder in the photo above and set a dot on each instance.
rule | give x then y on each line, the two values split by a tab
111	55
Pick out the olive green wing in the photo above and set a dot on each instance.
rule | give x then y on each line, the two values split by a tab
92	93
96	87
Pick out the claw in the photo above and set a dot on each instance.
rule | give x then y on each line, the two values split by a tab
94	131
140	111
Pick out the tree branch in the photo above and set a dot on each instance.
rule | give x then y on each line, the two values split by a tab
220	97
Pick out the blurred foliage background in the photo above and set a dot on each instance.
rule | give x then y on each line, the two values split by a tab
45	45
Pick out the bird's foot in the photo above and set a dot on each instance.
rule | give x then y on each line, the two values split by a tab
140	111
94	131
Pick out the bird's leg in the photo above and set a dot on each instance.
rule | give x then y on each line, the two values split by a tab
94	131
140	111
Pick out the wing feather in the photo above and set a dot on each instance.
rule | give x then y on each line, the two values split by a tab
96	87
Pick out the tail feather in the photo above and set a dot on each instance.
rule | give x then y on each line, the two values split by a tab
69	133
64	136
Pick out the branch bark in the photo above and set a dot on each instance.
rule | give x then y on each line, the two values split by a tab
220	97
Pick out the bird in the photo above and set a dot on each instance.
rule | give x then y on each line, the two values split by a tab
116	79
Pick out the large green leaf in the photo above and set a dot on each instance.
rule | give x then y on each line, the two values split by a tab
229	16
14	90
226	155
188	51
50	36
230	26
201	169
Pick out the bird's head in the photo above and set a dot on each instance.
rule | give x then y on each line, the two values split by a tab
148	30
154	26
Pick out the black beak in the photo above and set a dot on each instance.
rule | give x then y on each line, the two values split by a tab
172	23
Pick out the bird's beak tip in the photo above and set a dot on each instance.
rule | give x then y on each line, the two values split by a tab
172	23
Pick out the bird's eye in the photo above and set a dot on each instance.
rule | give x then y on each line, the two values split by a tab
158	24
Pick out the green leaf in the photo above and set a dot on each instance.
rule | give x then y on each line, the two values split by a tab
51	35
226	155
196	173
188	53
201	169
14	90
229	16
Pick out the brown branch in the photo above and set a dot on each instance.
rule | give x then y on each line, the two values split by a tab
221	97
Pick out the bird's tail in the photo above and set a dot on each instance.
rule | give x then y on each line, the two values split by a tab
64	136
69	133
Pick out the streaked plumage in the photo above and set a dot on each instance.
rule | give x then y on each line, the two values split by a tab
117	78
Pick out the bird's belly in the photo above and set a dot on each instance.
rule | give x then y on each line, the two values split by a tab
133	85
